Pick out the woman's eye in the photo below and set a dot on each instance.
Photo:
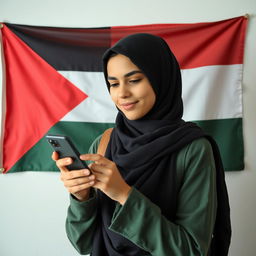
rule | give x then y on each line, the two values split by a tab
134	81
114	85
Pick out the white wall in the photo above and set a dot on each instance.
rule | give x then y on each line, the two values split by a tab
33	205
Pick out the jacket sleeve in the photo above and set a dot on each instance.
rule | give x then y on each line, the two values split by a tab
81	218
141	221
81	223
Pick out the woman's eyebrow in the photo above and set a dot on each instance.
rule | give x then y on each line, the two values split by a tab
126	75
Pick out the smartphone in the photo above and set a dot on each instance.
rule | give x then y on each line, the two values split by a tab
65	148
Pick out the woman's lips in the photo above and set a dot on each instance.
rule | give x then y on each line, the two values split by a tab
128	106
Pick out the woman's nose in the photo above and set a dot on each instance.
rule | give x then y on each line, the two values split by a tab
123	91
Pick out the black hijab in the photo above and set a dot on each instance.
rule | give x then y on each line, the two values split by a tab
145	150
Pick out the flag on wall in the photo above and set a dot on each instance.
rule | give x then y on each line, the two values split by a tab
54	84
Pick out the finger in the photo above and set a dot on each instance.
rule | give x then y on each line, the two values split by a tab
101	169
74	174
100	185
63	169
63	162
55	156
79	188
97	158
100	177
79	181
91	157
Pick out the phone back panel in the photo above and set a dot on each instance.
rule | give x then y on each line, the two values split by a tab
65	148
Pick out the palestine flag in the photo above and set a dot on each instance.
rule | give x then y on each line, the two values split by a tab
54	84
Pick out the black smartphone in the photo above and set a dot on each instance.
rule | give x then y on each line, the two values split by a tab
65	148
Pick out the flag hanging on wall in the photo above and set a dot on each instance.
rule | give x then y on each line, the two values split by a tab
54	84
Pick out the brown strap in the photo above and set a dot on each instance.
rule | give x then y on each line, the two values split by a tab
104	142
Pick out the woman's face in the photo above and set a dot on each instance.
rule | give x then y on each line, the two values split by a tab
130	89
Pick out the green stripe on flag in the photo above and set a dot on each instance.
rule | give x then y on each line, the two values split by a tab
38	158
228	134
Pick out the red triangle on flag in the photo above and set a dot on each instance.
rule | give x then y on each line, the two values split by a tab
37	97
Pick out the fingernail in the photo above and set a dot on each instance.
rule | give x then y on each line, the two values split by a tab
86	172
68	161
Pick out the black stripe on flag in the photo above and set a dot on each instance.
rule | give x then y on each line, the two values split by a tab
77	49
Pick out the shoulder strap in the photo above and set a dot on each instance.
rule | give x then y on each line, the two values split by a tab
104	142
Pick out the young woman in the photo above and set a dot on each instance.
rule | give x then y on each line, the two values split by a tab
158	188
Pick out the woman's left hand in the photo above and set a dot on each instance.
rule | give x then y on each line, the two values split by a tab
108	177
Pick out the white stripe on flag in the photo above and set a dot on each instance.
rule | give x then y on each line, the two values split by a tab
211	92
98	107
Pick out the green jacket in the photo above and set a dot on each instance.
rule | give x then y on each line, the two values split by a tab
141	221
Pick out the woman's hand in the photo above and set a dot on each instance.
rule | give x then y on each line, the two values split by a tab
77	182
108	177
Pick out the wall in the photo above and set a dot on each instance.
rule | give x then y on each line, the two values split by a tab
33	205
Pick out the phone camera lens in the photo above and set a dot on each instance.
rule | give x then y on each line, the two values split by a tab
53	143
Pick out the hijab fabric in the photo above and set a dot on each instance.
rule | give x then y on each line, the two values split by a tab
145	150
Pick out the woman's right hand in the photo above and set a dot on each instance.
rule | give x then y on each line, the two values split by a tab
77	182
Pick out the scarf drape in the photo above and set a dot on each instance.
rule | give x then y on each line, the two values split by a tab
145	150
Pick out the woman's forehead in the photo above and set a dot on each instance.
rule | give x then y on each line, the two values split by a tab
120	64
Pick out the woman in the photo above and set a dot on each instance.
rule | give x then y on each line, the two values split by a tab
159	187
